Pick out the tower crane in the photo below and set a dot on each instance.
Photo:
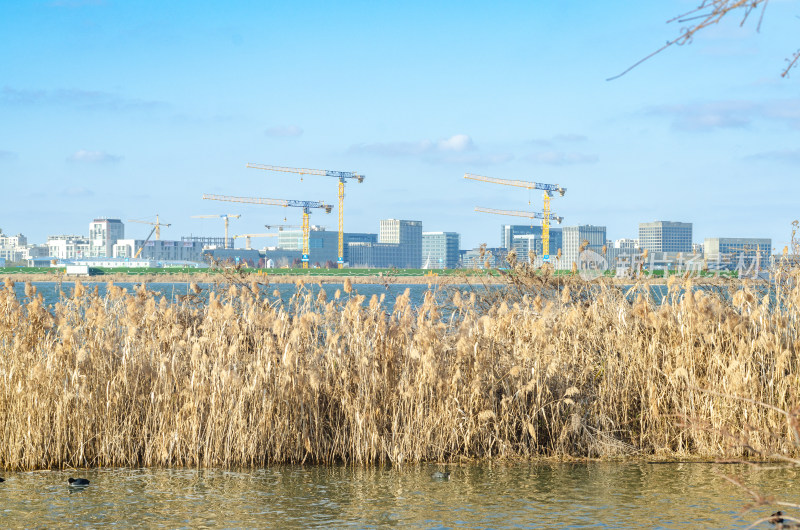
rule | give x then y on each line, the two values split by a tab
225	216
549	191
248	236
305	205
157	225
341	175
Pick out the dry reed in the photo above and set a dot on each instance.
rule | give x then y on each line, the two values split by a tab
551	369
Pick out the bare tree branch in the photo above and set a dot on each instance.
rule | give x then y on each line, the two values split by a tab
709	13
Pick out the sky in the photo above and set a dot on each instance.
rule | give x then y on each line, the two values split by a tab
128	109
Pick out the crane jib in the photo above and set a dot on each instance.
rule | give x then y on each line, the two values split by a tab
305	204
340	174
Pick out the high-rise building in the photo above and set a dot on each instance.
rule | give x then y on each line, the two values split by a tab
440	250
399	245
665	236
104	234
574	238
406	234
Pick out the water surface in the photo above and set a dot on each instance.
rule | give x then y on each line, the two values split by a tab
485	495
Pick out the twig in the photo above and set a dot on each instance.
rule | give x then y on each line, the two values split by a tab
709	13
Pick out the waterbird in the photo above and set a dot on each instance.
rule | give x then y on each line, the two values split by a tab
776	518
78	481
440	475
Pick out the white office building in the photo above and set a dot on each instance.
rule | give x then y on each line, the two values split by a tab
66	247
104	234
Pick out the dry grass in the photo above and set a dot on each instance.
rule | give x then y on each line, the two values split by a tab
555	370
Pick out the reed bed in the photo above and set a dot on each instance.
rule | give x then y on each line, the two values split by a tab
556	369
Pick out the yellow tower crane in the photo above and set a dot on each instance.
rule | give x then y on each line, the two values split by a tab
305	205
549	191
341	175
546	218
225	216
157	225
248	236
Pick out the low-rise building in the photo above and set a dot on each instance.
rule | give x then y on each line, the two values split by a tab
209	242
733	252
159	250
12	247
323	245
233	256
481	257
68	246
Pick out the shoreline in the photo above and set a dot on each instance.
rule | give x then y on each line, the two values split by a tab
265	278
211	278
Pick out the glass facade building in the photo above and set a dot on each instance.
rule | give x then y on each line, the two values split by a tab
665	236
574	237
440	250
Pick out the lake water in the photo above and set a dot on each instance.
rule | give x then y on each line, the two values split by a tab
51	294
50	290
485	495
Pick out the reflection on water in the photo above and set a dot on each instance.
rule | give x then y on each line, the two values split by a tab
535	495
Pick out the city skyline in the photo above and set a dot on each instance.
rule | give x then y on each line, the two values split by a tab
120	111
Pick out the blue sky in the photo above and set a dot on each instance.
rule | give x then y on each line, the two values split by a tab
128	109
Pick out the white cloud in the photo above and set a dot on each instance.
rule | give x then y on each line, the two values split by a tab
284	131
94	157
457	143
560	158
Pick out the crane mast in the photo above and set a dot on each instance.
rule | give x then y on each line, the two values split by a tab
341	175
